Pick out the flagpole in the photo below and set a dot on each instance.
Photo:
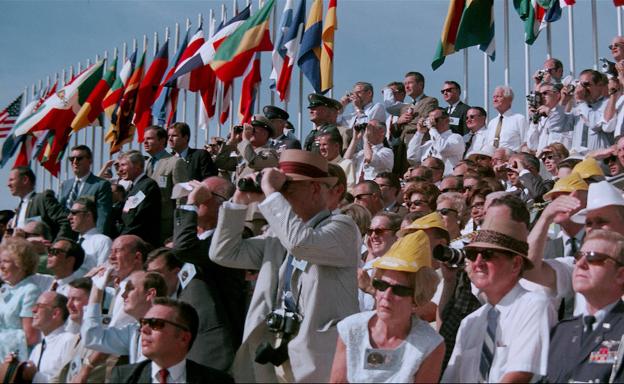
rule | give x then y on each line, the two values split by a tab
104	121
220	90
233	86
300	112
465	76
527	75
548	41
571	39
619	20
199	22
188	26
258	93
210	33
486	82
594	33
506	28
273	34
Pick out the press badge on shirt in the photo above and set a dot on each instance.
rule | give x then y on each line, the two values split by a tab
134	201
606	353
162	181
300	264
454	120
381	359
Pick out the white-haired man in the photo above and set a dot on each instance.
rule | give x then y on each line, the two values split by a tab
508	129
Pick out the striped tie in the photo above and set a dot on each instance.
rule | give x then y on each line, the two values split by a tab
73	194
489	345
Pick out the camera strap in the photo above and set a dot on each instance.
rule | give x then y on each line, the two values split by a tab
287	295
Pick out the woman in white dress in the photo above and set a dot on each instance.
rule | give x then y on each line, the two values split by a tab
391	344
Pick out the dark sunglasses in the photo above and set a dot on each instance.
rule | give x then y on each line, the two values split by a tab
450	190
415	202
595	258
77	158
362	196
486	253
75	212
547	157
377	231
610	159
56	251
446	211
447	90
616	45
397	290
158	324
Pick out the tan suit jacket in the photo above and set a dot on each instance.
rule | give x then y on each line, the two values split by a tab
327	284
421	109
169	171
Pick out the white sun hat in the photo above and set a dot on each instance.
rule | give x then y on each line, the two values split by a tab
600	195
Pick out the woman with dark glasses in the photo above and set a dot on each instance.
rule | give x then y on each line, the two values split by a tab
391	344
551	156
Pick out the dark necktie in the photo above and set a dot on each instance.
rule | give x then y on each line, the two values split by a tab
588	323
80	240
54	285
73	194
469	143
162	376
573	247
489	345
43	347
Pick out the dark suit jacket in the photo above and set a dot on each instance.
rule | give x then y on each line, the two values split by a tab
228	283
100	190
142	373
51	212
200	164
569	358
213	346
144	220
460	113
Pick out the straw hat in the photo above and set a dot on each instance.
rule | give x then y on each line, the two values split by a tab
600	195
503	234
301	165
407	254
588	168
572	182
487	150
432	220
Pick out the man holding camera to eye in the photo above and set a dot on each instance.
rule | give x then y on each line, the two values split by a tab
442	143
374	158
551	72
255	148
307	271
548	121
591	129
365	109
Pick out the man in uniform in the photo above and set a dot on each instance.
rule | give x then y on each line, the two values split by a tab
255	149
592	343
323	113
279	121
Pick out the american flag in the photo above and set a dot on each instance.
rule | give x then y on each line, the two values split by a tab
9	115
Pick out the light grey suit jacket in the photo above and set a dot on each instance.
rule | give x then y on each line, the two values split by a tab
169	171
328	283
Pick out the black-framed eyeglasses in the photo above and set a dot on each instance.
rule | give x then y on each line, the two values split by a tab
377	231
586	84
75	158
446	211
415	202
397	290
156	324
446	90
616	45
487	254
547	157
56	251
595	258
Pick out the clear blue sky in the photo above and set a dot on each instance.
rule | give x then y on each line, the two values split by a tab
377	41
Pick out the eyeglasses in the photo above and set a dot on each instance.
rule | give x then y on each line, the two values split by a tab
415	202
449	190
56	251
76	158
361	196
595	258
586	84
75	212
377	231
397	290
486	253
447	90
616	45
610	159
446	211
219	196
477	205
158	324
470	117
547	157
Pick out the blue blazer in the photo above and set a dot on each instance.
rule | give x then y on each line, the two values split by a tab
100	190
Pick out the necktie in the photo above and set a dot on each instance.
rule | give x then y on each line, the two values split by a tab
585	133
73	194
588	322
15	219
573	247
43	347
289	300
162	376
150	166
499	126
469	143
489	345
54	285
80	240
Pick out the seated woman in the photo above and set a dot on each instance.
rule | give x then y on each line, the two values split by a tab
390	344
551	156
18	295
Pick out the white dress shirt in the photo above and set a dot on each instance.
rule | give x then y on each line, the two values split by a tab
382	161
371	111
176	373
590	118
53	359
97	248
447	146
522	338
556	127
513	131
119	317
479	140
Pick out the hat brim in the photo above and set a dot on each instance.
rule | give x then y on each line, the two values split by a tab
328	180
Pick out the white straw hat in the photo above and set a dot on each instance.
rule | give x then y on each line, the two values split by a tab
600	195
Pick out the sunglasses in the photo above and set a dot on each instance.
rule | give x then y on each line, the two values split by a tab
446	211
377	231
547	157
616	45
56	251
75	212
157	324
450	190
595	258
609	159
486	253
361	196
447	90
75	158
415	202
397	290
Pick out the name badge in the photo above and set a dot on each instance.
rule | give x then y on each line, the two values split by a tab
186	274
134	201
162	181
453	120
299	264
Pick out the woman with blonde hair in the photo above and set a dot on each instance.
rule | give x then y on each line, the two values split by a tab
18	261
391	344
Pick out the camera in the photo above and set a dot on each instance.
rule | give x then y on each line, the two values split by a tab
279	321
360	127
452	257
534	99
250	185
238	129
540	74
607	67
